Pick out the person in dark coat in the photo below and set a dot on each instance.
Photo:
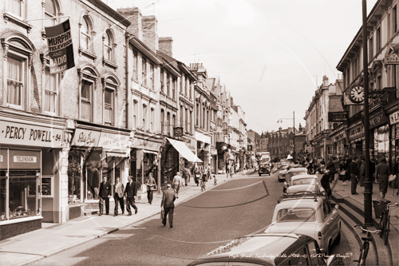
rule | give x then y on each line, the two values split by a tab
168	204
362	171
354	175
325	182
382	172
131	193
104	195
331	168
396	172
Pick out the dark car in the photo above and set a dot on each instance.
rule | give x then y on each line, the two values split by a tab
269	249
264	169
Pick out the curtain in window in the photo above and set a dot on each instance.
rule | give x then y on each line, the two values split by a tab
14	81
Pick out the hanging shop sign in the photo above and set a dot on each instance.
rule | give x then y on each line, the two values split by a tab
338	137
85	138
356	132
145	144
337	116
378	120
29	135
110	141
178	132
59	40
394	118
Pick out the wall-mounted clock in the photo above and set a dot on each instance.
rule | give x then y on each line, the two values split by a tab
356	94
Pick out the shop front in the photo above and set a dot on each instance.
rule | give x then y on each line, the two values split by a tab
203	149
144	159
356	139
379	129
394	122
191	144
222	155
95	154
29	149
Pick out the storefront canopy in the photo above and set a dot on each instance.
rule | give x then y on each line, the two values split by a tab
184	151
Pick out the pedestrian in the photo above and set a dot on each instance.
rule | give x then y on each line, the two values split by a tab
362	171
396	172
342	171
347	174
227	169
118	197
382	172
215	182
177	183
325	182
167	203
331	168
354	175
131	193
197	176
204	179
104	195
151	186
185	176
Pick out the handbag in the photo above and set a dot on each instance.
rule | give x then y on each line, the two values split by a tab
391	178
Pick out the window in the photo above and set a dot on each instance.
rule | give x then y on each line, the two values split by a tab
16	7
191	119
185	86
144	71
51	84
379	84
109	107
389	28
145	117
371	49
86	100
197	116
174	82
162	121
15	80
189	88
152	76
181	84
203	117
168	123
395	19
182	117
135	64
135	111
187	129
378	40
152	118
50	13
85	36
162	78
174	123
108	46
167	84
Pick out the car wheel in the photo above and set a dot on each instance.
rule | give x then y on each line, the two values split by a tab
337	239
260	174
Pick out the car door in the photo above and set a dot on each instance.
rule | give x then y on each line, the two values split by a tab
334	218
314	254
326	225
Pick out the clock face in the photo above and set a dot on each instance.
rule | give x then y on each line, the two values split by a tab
356	94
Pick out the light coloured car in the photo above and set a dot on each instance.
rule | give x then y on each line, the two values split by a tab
311	216
293	172
269	249
281	173
309	183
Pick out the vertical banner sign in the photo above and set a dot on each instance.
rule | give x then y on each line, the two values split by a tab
59	39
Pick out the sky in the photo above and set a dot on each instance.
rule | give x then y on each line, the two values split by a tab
271	54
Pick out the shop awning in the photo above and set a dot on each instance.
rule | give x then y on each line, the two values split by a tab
152	152
184	150
117	154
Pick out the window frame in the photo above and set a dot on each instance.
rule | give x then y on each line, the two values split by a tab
23	59
108	50
88	35
53	16
110	84
152	119
46	66
162	80
145	117
22	8
135	113
152	75
167	84
143	70
89	75
174	83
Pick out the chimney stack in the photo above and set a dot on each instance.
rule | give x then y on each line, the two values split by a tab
150	32
325	81
165	45
135	17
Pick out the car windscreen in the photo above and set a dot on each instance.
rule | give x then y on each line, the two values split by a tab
304	181
304	172
296	215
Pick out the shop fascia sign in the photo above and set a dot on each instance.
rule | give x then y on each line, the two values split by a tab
340	136
29	135
113	141
356	131
92	138
394	118
377	120
145	144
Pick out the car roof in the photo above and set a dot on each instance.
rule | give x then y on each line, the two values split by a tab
300	202
304	176
244	248
298	169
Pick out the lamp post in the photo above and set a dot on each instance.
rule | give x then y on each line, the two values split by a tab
293	130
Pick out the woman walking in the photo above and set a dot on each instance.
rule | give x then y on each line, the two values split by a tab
382	173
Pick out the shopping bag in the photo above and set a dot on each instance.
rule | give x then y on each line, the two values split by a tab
391	178
162	214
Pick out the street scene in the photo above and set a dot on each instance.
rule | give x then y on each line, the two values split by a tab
214	132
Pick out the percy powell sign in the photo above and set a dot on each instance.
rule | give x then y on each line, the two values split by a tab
21	134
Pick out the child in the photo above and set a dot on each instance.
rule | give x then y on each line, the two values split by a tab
214	180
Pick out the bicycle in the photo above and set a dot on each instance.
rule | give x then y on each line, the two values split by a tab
385	221
366	245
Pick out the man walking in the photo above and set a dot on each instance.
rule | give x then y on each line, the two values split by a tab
131	193
354	175
331	168
167	203
151	186
177	183
118	197
104	195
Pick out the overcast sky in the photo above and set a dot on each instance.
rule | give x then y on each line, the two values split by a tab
271	54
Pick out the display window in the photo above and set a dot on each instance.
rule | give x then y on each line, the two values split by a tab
381	142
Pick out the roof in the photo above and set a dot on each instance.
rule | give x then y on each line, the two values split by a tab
298	169
111	12
244	248
298	203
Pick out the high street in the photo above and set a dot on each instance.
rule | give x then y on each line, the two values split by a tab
242	205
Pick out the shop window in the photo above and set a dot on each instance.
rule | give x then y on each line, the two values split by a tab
92	173
50	13
108	46
23	194
51	85
109	106
74	177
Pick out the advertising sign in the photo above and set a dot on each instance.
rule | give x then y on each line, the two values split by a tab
85	138
337	116
23	134
394	118
145	144
59	40
111	141
20	159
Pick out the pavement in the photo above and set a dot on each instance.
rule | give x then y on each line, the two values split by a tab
53	238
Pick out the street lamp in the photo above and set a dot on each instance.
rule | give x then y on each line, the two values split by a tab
293	129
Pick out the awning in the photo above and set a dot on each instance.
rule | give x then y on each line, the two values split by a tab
184	150
117	154
152	152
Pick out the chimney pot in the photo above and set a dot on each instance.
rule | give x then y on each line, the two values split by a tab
135	17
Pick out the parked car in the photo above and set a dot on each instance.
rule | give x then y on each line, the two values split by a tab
293	172
269	249
281	173
264	169
311	216
299	183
